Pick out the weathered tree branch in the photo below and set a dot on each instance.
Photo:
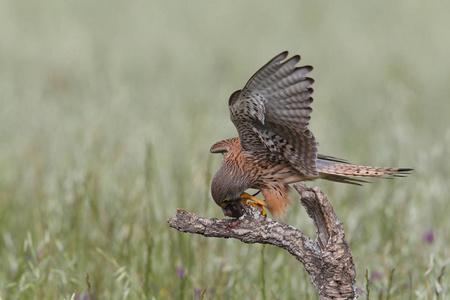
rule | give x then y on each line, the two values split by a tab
328	260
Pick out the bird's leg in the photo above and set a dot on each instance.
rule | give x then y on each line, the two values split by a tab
247	197
256	202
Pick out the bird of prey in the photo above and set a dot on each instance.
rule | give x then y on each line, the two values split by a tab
275	147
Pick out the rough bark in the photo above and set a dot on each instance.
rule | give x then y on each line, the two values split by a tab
327	260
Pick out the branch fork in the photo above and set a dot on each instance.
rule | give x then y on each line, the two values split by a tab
327	260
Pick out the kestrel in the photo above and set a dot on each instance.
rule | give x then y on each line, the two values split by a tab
275	147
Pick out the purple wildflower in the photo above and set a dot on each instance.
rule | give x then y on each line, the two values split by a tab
180	272
375	275
428	237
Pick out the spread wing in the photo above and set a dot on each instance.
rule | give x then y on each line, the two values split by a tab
272	113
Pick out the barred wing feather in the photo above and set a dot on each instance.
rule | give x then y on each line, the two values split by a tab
272	113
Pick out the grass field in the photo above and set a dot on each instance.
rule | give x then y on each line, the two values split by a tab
108	110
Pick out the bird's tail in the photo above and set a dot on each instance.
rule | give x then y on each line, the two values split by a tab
345	172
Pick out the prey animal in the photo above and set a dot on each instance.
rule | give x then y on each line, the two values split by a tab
275	147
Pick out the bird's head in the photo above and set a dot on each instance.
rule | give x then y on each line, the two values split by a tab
226	187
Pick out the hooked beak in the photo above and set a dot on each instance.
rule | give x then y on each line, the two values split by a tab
234	208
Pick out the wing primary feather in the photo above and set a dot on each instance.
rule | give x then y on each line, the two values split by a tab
275	105
332	158
268	68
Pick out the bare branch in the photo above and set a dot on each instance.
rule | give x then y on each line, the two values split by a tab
328	260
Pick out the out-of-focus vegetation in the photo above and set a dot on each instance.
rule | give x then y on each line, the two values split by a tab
108	110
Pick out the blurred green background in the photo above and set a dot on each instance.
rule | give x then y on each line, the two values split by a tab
108	110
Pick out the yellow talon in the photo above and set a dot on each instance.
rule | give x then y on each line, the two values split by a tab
256	202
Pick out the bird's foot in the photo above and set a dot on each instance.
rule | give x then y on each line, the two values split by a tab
263	212
255	202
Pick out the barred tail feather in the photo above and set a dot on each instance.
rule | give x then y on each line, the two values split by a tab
340	172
